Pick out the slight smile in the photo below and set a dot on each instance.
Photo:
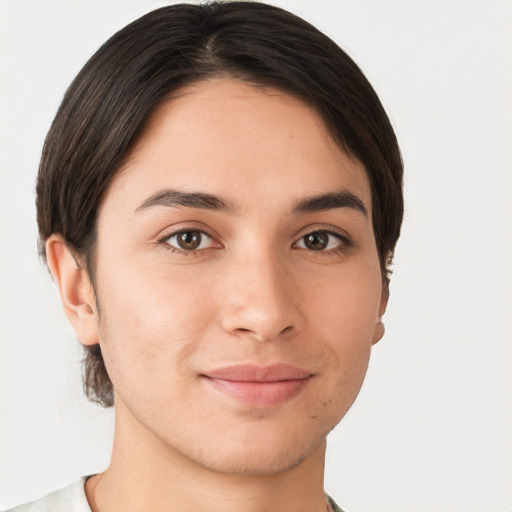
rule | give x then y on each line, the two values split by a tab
259	386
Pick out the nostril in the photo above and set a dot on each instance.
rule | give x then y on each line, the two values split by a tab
260	321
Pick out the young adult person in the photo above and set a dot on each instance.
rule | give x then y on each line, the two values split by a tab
218	201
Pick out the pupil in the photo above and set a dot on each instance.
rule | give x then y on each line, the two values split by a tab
189	240
316	241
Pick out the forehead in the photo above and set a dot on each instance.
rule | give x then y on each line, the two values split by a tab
230	138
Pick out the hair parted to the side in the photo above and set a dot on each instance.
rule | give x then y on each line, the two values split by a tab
107	105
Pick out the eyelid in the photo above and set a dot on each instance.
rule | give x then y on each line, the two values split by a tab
342	235
184	227
324	228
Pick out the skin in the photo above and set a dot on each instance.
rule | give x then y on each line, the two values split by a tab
252	293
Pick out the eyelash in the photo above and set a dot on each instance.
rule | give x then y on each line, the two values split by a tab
344	245
182	230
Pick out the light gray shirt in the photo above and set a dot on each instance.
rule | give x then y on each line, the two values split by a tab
73	499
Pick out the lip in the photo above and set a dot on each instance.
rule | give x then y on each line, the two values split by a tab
259	385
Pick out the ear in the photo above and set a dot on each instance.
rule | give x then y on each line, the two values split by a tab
76	291
379	326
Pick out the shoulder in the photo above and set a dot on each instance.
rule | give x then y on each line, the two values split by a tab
69	499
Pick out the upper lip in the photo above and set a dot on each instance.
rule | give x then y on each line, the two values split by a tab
254	373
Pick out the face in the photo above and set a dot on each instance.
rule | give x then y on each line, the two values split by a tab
238	279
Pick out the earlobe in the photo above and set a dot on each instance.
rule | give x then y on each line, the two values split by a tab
75	288
378	333
379	327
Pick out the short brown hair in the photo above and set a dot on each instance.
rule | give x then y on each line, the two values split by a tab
107	105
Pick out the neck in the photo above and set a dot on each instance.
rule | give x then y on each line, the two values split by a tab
146	473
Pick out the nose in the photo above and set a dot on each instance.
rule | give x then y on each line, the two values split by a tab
260	303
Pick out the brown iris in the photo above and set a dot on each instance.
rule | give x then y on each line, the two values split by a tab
189	240
316	241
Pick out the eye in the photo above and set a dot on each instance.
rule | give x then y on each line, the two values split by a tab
320	241
189	240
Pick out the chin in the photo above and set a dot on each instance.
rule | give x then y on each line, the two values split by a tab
260	452
258	462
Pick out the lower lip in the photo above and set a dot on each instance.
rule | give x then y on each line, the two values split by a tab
263	394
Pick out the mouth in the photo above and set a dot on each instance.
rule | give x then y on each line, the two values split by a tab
259	386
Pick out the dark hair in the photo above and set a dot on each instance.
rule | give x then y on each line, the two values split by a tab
107	105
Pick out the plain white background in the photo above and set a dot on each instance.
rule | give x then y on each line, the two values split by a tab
432	428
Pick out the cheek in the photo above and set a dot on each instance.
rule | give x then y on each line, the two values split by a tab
345	316
347	303
151	320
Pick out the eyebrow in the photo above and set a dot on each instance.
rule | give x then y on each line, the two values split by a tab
174	198
329	201
202	200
